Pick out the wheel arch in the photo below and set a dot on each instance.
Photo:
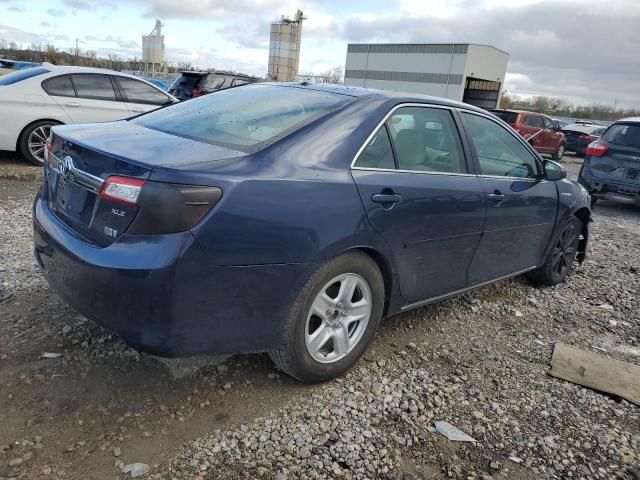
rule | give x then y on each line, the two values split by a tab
24	129
385	268
584	214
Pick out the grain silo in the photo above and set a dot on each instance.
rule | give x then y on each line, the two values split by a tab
153	51
284	48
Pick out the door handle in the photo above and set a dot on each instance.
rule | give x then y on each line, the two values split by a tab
387	200
497	197
72	104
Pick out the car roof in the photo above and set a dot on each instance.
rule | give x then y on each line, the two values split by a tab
62	69
512	110
628	120
580	127
364	92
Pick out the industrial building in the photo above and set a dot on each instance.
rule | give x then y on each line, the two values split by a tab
459	71
284	48
153	61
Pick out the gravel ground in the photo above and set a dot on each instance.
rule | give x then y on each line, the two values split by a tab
479	362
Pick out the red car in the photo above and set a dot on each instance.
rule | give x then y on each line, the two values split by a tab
538	129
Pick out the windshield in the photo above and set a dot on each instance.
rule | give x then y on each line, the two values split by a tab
624	135
243	118
509	117
20	75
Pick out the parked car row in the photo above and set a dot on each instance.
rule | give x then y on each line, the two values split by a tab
580	135
188	230
35	99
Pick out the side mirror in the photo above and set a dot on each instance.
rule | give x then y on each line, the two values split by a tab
553	171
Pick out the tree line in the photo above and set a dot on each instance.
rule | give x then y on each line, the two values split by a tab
38	52
558	107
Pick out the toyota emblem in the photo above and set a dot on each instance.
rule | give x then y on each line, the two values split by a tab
66	167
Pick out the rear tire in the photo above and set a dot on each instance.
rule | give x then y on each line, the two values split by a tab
560	259
33	139
320	343
557	156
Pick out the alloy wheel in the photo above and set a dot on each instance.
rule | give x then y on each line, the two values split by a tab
564	253
338	318
37	141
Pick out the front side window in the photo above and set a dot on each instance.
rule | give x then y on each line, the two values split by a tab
136	91
548	124
499	152
424	140
243	118
533	121
94	86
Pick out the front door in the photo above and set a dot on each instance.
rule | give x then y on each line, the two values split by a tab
521	208
418	195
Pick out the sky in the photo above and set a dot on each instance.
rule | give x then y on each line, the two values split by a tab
584	51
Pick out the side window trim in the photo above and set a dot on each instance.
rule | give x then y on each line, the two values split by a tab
514	134
383	123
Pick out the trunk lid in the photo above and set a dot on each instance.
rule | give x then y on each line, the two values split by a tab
83	157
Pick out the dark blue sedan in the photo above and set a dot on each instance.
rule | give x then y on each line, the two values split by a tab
291	219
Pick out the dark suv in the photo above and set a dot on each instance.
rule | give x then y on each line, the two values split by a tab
195	84
537	129
611	168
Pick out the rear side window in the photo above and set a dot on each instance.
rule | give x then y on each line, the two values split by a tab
509	117
20	75
59	86
533	121
378	152
136	91
94	86
243	118
623	135
424	140
500	153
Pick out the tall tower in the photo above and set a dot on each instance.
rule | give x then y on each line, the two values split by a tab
153	51
284	48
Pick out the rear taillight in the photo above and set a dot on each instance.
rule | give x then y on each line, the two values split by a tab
122	190
586	138
597	148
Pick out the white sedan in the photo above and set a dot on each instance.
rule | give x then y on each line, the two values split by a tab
35	99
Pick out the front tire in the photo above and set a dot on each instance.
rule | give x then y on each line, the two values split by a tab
559	261
33	139
558	153
333	320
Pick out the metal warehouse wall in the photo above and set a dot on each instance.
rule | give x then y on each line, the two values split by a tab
430	69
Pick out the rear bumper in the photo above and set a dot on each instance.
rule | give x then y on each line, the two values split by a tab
608	189
161	293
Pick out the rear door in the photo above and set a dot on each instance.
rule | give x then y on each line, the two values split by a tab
533	131
421	198
96	99
520	208
139	96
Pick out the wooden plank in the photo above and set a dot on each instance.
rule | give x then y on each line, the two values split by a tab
597	372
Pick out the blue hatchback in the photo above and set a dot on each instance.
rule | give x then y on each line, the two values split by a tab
291	219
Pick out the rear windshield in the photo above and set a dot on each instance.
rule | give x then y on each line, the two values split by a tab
243	118
509	117
624	135
20	75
